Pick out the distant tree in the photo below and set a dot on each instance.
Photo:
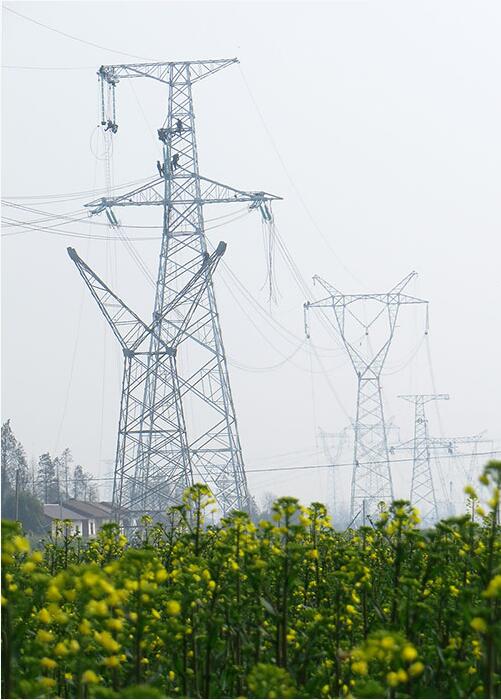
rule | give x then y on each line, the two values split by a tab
24	504
14	463
48	488
267	502
84	488
29	512
65	461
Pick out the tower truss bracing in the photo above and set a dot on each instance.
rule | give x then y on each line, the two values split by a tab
423	495
146	490
214	454
371	478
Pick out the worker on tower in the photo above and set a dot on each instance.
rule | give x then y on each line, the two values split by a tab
160	168
175	161
111	125
179	126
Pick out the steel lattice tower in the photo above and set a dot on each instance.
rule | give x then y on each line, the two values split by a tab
371	479
145	455
333	459
422	489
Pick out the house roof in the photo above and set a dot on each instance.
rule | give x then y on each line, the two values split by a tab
89	510
57	512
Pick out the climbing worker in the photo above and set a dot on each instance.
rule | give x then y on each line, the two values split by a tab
179	126
175	161
111	125
160	168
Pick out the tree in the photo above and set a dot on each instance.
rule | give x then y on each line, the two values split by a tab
83	486
29	512
48	488
14	463
65	471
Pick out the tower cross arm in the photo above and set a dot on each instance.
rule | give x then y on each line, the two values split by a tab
424	398
214	192
445	443
152	194
164	72
127	326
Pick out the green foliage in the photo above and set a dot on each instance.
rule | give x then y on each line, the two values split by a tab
287	607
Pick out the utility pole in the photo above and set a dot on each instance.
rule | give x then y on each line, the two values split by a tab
150	468
422	488
17	495
371	478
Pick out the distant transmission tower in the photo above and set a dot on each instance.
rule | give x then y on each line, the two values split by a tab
371	480
151	467
333	458
422	488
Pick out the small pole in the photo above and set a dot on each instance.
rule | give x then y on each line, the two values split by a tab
363	512
17	494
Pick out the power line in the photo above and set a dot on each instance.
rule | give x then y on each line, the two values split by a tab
307	467
74	38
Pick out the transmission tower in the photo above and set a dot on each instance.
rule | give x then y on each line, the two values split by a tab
136	339
211	453
422	489
371	479
333	458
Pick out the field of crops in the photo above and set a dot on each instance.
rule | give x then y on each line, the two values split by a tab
280	609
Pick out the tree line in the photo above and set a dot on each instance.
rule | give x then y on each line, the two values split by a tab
27	486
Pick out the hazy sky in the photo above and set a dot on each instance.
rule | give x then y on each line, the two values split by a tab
379	123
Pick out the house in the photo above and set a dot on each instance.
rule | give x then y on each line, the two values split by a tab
56	511
87	518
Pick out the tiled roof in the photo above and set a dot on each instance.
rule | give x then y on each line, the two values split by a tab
89	510
57	512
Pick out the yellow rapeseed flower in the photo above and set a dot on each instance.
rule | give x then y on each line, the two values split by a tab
21	544
161	575
111	661
46	682
392	679
28	567
360	667
53	594
61	649
43	636
48	663
409	653
173	607
479	624
44	616
494	587
90	677
416	668
85	627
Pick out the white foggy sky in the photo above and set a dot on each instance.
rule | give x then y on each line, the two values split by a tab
381	119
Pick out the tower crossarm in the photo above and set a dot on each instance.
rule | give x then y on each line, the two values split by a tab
152	194
169	73
450	443
129	329
424	398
